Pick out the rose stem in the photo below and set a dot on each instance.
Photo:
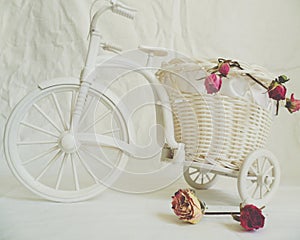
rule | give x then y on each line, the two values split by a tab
236	64
258	82
221	213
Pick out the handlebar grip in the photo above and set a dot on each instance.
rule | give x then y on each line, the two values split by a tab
123	11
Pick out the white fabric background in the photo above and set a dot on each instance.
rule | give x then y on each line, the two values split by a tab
41	40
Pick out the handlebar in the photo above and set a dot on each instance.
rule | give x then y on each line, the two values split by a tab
116	7
122	9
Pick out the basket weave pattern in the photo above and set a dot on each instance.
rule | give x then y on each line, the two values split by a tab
219	129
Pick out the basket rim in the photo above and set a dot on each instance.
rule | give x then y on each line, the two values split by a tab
177	65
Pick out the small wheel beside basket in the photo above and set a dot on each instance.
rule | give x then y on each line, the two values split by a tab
199	178
259	177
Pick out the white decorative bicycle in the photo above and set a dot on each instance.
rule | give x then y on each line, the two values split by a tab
57	151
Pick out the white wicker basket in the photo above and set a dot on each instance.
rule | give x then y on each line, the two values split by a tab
217	129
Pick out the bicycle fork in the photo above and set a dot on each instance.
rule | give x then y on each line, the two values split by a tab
85	77
93	49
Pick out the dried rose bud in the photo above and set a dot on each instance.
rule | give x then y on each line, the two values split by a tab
213	83
224	68
276	91
251	218
187	206
292	104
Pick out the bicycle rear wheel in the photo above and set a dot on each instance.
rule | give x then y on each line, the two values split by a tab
45	158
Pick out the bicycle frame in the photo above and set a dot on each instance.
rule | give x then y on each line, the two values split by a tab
87	78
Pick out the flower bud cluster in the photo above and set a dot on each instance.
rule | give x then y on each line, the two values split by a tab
213	82
276	90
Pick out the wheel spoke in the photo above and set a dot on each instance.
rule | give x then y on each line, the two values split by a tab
192	173
59	111
257	166
254	170
75	174
261	191
196	178
46	117
251	178
268	170
61	170
38	129
35	142
49	164
264	164
50	150
96	121
272	178
87	168
255	190
96	158
208	177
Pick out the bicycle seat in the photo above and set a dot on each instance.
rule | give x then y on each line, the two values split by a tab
154	51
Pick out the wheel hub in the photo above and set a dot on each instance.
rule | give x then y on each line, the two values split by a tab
67	142
264	179
260	179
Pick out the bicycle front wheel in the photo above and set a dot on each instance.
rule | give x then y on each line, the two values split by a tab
39	149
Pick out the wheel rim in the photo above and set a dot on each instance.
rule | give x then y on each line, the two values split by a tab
259	177
42	154
198	178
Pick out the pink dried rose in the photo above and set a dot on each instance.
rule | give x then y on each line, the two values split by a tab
186	206
292	104
250	218
224	68
276	91
213	83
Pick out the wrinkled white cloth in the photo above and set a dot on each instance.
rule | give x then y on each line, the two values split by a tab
41	40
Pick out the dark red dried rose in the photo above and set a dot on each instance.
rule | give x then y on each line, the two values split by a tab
251	218
276	91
